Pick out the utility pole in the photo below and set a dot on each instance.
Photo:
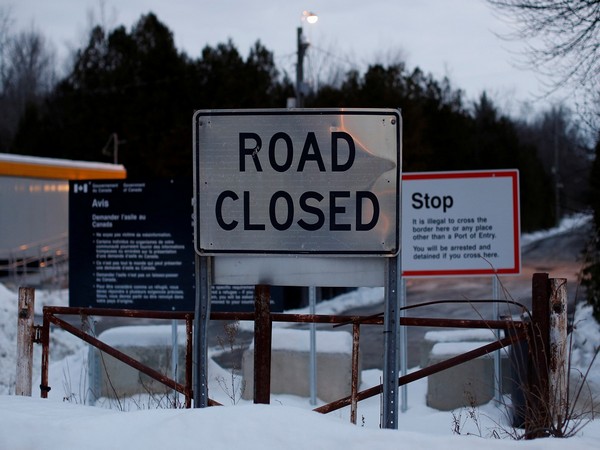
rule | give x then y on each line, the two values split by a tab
115	150
302	47
555	171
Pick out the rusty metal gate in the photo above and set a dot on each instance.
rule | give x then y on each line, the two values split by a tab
535	330
51	316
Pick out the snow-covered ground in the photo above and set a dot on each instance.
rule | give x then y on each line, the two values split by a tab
64	422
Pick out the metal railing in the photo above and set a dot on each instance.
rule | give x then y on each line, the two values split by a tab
41	261
518	333
536	331
51	314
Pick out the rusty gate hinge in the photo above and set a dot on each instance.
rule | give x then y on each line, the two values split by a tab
37	334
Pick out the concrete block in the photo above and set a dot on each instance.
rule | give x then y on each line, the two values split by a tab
461	335
290	364
151	346
469	384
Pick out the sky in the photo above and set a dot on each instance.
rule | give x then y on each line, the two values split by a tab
458	38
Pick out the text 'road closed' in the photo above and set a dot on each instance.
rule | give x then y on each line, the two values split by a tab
309	183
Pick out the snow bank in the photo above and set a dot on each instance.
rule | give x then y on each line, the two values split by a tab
8	339
568	223
143	336
35	423
299	341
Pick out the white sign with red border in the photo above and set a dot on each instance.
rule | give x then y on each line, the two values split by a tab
460	223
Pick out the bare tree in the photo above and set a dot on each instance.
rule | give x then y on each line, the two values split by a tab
31	72
27	71
563	151
5	27
563	43
6	130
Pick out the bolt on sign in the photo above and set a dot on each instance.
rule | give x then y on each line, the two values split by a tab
317	181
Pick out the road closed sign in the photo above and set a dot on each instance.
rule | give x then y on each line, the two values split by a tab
323	181
460	223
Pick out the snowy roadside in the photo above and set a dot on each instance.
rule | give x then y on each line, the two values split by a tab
69	380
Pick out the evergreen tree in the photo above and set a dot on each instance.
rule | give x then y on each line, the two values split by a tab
441	134
136	86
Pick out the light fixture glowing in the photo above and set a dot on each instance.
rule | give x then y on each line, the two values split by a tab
310	17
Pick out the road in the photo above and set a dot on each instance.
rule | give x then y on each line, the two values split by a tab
561	256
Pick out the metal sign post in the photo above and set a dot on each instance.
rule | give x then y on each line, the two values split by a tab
391	337
312	303
403	346
175	357
299	197
497	353
201	320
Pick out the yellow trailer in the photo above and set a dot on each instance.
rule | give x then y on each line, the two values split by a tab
57	169
34	207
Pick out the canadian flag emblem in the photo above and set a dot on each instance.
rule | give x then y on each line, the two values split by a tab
77	188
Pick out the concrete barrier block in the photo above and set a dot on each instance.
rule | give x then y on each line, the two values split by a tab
468	384
290	364
462	335
151	346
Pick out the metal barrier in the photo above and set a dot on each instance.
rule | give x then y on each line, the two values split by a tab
545	362
50	316
357	321
37	262
536	331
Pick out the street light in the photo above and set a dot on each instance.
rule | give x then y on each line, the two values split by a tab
302	47
310	17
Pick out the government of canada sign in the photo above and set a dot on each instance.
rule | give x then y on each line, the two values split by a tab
322	181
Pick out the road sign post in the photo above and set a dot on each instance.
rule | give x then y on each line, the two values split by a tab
462	224
301	197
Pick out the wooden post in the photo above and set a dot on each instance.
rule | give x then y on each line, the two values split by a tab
25	341
355	361
262	344
558	359
538	419
45	338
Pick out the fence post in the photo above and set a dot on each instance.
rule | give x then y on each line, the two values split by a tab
45	338
355	362
25	341
262	344
558	376
538	419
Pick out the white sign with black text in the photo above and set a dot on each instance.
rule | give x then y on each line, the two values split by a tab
460	223
322	181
